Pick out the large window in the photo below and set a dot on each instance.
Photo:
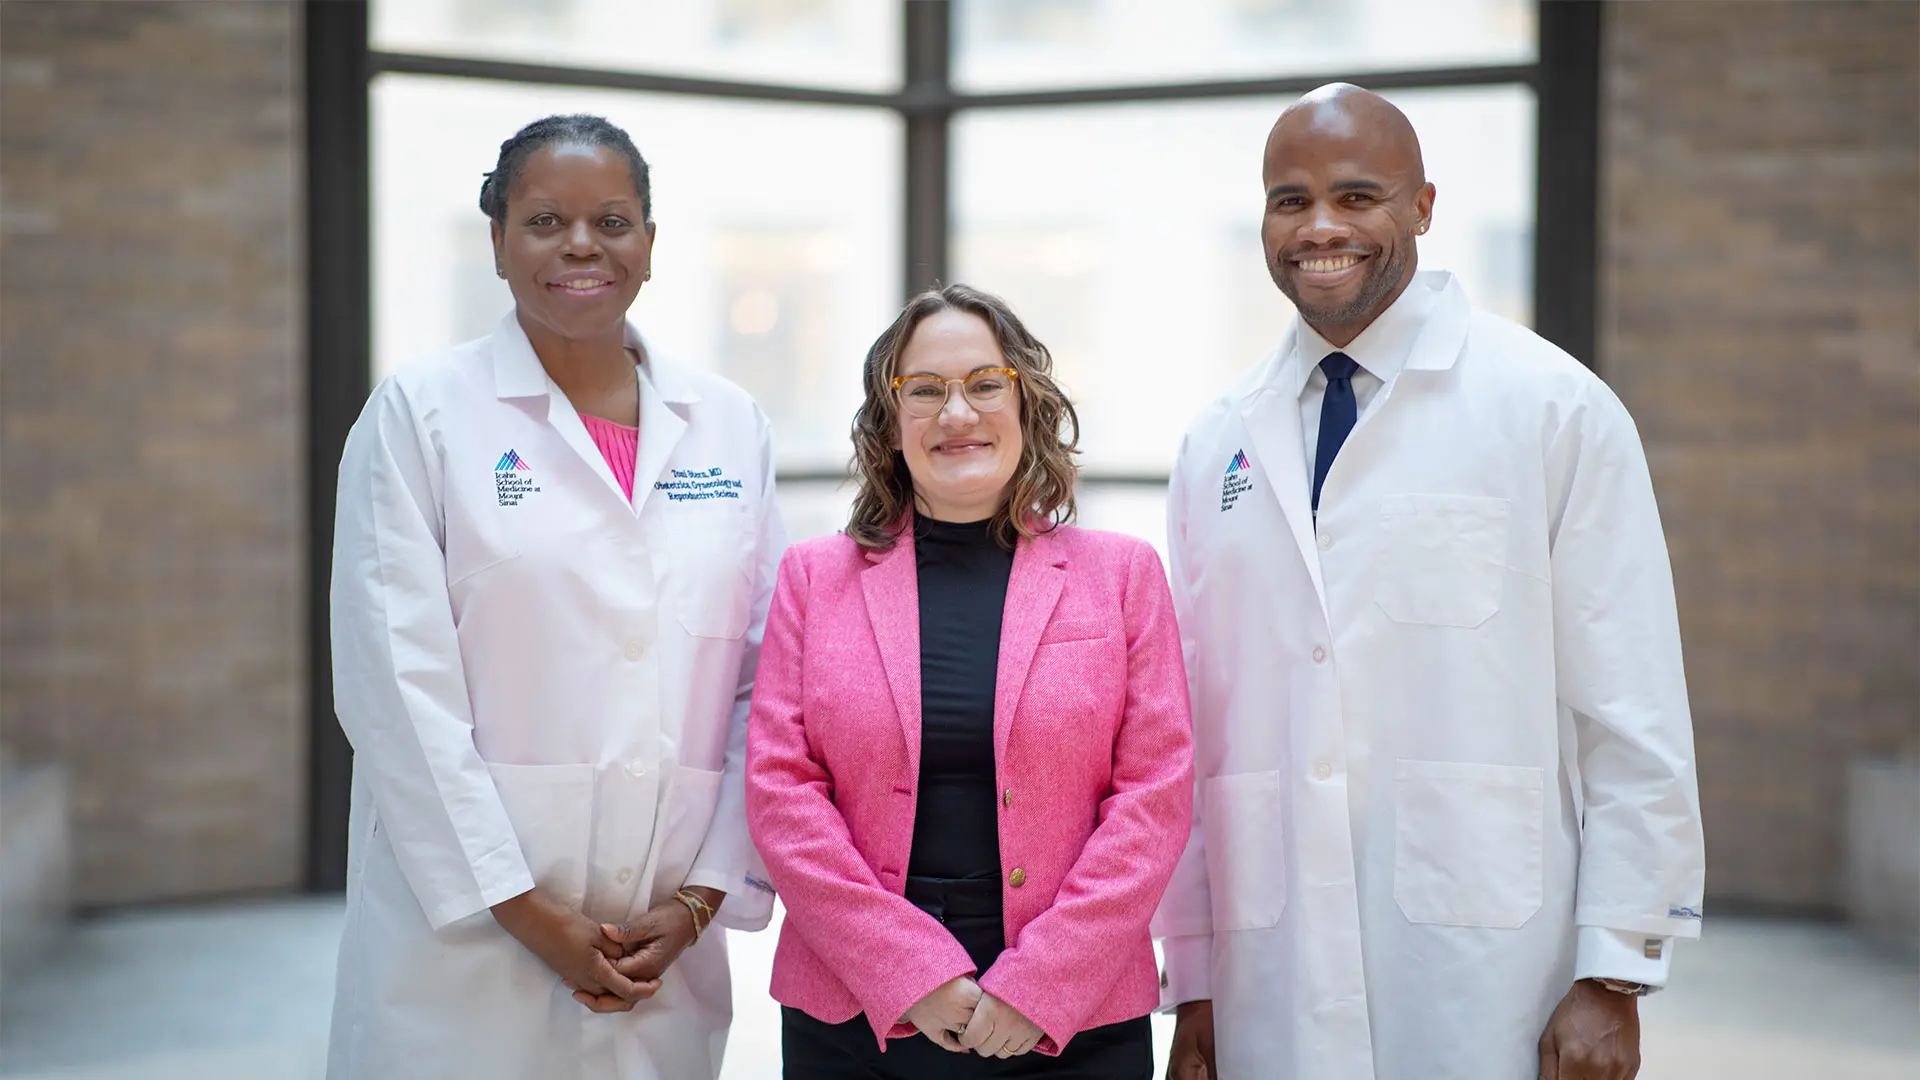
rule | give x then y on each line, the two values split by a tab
1128	237
772	262
1096	162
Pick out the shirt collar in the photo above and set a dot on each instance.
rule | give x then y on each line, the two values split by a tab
1381	349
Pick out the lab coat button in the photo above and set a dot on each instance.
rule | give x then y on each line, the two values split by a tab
636	768
1319	655
635	650
1017	878
1322	770
1326	541
625	875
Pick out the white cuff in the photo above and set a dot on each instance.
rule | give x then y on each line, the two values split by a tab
1188	974
749	908
507	883
1605	953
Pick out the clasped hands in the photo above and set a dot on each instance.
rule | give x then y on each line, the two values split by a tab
609	968
961	1017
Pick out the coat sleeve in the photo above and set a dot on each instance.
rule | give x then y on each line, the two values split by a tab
1618	668
1184	922
727	859
888	953
399	686
1058	971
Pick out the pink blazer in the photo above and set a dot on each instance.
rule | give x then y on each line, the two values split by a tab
1094	754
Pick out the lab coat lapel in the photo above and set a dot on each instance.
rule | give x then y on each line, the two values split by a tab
1033	588
518	373
892	590
566	420
1272	418
660	430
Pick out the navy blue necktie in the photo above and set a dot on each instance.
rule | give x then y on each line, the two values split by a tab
1338	411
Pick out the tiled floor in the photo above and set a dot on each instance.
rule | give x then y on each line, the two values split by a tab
241	993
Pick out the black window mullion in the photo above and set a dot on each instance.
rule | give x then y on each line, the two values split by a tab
927	109
1566	231
515	71
1423	79
339	377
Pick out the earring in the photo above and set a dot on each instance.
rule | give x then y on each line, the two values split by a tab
1421	228
499	271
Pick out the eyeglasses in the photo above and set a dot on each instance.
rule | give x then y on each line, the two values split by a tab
924	396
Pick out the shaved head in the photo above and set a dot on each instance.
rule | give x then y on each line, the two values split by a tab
1347	192
1348	112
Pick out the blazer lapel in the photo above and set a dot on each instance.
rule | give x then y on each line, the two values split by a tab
1039	575
892	591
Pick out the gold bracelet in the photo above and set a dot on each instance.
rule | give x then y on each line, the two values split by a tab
692	912
687	895
696	907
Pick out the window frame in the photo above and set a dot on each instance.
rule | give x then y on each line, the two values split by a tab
340	67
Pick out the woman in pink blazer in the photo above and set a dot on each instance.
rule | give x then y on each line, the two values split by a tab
969	761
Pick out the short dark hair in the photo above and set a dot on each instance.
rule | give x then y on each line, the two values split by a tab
574	129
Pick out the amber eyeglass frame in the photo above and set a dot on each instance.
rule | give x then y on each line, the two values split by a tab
947	386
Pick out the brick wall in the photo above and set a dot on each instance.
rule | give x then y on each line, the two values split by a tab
1760	222
151	478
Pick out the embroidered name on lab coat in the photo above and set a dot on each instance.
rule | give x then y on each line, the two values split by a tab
691	484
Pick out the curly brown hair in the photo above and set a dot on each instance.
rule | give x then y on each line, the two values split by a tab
1040	496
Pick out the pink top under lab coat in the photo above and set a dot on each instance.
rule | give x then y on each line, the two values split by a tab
619	444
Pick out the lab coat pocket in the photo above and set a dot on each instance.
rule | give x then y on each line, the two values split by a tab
1468	843
691	798
713	570
1246	863
551	809
1441	558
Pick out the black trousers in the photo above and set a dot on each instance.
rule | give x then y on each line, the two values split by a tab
970	909
816	1050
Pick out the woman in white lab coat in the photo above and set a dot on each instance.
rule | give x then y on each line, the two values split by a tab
553	557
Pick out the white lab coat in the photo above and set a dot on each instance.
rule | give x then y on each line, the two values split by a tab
542	683
1484	612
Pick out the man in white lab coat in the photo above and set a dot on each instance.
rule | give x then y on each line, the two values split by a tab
1448	823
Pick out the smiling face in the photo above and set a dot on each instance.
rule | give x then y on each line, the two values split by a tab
1346	194
961	460
575	246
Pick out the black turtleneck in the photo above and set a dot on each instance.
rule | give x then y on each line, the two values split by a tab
963	592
